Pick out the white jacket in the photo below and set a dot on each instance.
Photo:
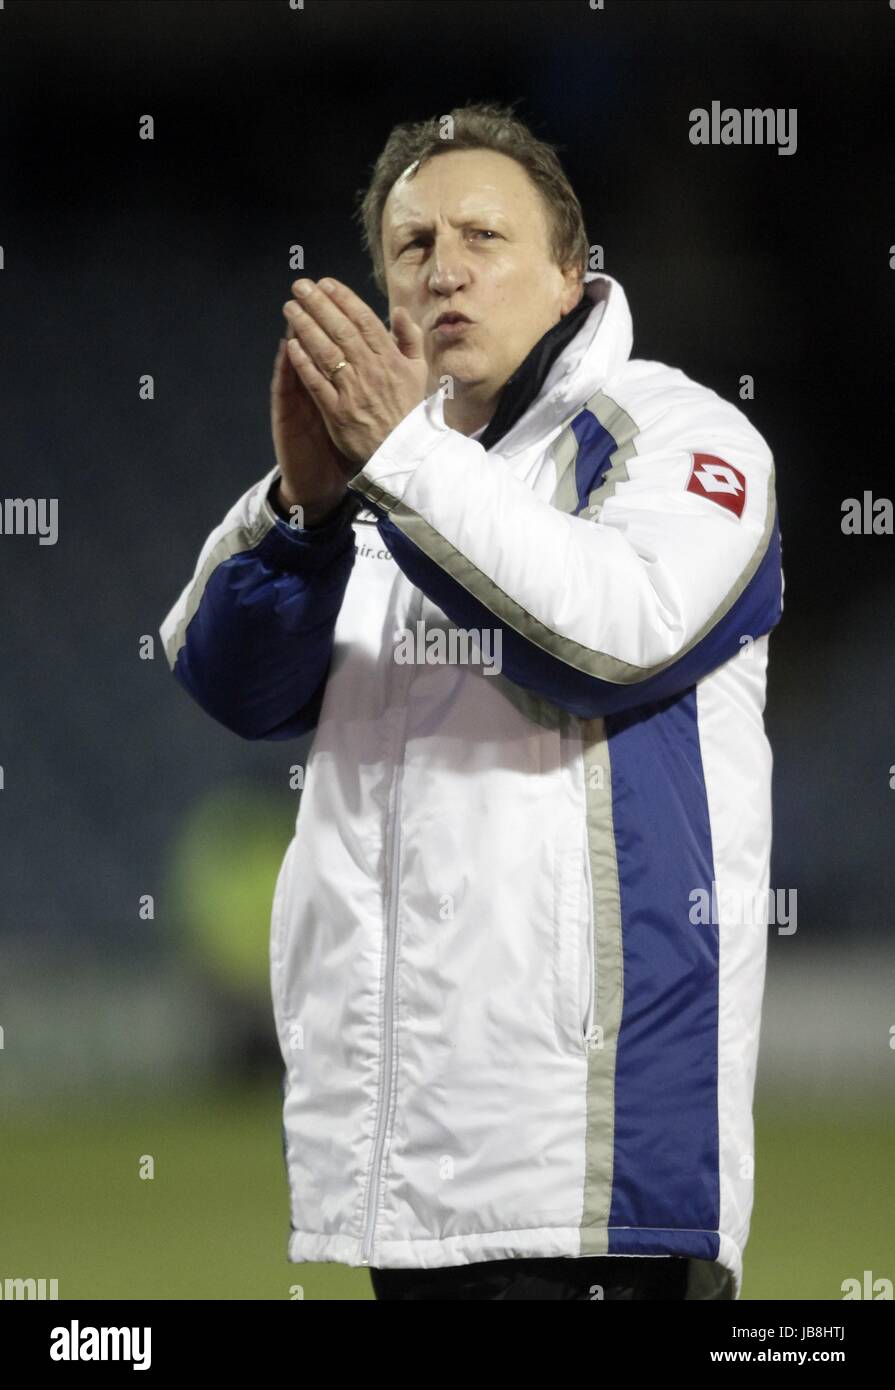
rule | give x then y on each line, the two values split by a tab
508	1027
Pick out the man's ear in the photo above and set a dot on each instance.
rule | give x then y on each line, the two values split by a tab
572	277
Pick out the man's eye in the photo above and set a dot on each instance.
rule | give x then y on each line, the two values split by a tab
479	231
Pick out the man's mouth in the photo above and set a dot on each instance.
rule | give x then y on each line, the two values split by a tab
450	325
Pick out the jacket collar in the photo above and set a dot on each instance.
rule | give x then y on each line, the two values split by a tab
524	385
565	367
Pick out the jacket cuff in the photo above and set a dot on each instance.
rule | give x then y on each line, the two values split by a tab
307	548
387	474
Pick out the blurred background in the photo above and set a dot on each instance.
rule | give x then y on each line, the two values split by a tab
140	841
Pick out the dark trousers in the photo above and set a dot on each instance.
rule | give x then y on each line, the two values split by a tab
630	1277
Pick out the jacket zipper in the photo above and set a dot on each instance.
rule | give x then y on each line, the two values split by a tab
391	953
591	1032
391	932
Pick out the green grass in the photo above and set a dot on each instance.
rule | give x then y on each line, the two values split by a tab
823	1205
213	1222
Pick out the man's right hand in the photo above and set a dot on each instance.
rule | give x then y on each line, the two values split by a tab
313	471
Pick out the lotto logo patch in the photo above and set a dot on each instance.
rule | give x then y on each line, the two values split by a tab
719	481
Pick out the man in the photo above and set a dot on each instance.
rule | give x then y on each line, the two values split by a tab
519	1061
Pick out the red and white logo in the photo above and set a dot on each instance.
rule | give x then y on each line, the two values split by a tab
719	481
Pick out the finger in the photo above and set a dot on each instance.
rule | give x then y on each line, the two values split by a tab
407	334
318	385
280	362
284	380
282	357
316	343
368	324
343	317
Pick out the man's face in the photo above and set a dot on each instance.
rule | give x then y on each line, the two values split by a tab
468	233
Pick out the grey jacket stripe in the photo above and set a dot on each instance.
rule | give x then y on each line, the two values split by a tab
619	424
616	422
609	964
240	537
565	454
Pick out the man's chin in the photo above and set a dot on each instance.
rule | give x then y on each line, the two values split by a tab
464	365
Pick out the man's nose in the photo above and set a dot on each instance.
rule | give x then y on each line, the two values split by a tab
448	272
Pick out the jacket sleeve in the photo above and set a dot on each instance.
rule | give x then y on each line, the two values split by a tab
653	585
251	635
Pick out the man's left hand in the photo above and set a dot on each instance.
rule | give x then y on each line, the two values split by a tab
385	376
